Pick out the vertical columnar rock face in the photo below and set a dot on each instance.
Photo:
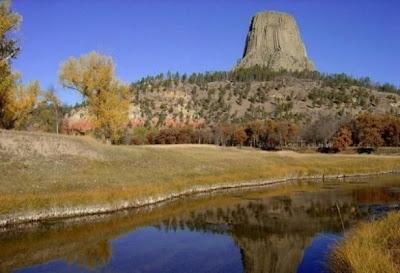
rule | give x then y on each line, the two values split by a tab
274	41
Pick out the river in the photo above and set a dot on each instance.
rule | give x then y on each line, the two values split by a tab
284	228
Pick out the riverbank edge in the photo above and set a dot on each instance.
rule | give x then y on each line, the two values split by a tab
11	220
369	246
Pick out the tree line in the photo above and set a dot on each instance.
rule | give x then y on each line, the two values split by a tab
368	131
263	134
328	134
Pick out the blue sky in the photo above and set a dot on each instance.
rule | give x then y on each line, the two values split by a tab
146	37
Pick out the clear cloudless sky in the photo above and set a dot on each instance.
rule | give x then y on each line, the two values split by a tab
147	37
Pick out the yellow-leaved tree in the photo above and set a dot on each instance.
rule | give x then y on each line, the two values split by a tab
9	22
93	75
16	100
20	102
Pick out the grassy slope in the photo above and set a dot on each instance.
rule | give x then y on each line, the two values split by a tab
52	171
370	248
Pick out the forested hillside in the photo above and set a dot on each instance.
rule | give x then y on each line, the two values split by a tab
256	93
257	107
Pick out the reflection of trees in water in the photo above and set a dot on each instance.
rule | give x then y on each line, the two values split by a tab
376	195
272	234
37	248
92	255
278	215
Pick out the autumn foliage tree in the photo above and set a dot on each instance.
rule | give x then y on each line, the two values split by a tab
367	131
286	132
9	22
17	101
269	137
93	75
370	138
239	136
391	130
342	139
253	131
19	104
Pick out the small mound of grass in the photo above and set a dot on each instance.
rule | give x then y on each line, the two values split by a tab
370	248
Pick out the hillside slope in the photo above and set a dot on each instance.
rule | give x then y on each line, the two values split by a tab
214	98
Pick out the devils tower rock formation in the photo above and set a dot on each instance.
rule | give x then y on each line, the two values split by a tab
274	41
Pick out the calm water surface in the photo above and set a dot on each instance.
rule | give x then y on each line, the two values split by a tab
287	228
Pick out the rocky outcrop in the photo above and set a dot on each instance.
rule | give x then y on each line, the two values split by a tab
274	41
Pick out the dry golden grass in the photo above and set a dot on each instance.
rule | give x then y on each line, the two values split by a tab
370	248
80	172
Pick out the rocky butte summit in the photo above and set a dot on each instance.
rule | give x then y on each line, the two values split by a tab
274	41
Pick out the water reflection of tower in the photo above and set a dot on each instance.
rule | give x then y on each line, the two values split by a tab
272	233
266	242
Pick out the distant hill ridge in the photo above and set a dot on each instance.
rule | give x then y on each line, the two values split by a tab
257	93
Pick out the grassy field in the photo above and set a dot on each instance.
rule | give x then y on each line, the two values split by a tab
370	248
50	175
